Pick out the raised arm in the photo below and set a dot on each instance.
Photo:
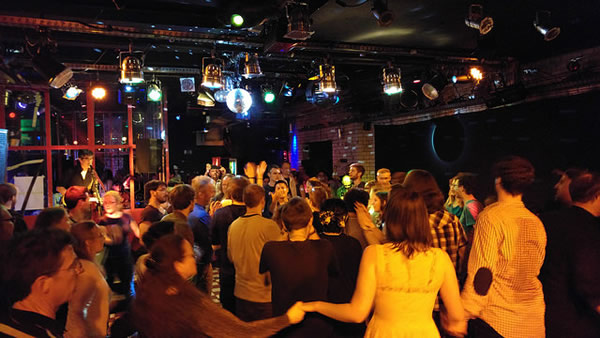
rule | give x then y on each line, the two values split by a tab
362	301
453	318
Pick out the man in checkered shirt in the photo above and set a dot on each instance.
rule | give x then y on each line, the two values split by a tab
503	295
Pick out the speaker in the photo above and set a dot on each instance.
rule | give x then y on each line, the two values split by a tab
148	156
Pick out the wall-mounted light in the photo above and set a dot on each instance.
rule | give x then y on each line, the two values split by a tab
475	19
392	80
543	24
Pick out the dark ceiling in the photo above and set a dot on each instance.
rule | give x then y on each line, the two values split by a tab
178	33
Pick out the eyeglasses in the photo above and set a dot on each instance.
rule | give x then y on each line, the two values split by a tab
75	266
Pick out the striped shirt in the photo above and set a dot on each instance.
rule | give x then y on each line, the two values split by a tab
510	241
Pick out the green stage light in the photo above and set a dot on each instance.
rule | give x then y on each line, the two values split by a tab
154	93
237	20
269	97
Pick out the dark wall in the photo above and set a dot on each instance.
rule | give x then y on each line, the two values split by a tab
556	133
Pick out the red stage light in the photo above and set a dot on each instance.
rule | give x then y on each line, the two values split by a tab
12	115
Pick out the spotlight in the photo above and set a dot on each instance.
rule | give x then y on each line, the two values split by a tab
98	93
212	76
327	78
269	97
154	91
128	89
251	67
298	21
205	99
543	25
131	70
288	91
434	87
476	20
239	101
12	115
237	20
391	80
71	93
56	73
380	11
475	74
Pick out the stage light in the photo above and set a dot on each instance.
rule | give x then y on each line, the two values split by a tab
131	70
287	90
12	115
432	88
21	105
476	20
212	76
205	99
177	117
128	89
327	78
476	74
543	25
154	91
391	80
269	97
99	93
71	93
298	18
237	20
56	73
239	101
381	12
251	67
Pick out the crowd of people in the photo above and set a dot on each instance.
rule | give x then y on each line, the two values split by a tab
309	257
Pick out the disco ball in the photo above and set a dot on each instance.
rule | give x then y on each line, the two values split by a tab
239	101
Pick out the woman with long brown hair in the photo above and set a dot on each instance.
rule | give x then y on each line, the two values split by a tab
167	305
401	278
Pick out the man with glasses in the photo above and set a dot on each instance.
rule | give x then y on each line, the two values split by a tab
40	271
82	175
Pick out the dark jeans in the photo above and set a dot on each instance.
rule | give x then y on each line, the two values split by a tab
250	311
478	328
226	296
121	266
